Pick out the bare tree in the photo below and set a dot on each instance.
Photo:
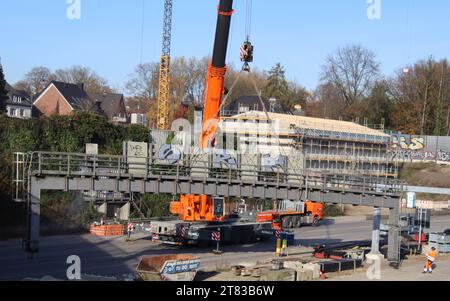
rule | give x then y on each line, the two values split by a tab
353	70
143	82
195	81
93	83
187	83
421	95
35	80
326	102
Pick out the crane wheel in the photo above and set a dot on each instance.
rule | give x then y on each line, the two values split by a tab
316	221
288	222
297	222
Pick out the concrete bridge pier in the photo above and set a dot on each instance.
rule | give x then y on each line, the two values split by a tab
31	242
375	250
394	235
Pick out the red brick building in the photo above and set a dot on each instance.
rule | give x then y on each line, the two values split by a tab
60	98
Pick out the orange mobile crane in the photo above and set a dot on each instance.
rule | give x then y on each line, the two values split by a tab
202	218
201	208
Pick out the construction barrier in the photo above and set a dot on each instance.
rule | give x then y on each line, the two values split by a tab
107	230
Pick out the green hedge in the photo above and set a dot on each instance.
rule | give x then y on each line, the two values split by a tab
57	134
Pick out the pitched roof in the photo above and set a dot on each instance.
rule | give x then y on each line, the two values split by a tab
251	100
8	87
25	97
110	103
75	96
310	123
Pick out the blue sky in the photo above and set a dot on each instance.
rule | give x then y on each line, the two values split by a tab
297	33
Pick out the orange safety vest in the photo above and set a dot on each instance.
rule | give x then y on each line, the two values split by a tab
431	256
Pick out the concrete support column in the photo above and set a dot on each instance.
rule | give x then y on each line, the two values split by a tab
376	231
33	218
103	208
394	235
124	212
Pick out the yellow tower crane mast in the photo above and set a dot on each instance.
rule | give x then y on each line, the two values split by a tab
164	69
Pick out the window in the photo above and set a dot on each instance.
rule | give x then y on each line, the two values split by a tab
21	112
12	112
243	109
272	108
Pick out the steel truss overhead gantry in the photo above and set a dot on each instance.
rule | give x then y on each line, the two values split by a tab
81	172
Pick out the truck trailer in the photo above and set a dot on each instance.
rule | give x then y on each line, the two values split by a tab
302	213
227	232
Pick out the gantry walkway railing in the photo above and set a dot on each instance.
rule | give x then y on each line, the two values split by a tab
241	178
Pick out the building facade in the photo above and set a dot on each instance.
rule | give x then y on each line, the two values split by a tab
19	104
328	146
60	98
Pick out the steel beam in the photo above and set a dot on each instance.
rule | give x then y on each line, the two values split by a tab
214	187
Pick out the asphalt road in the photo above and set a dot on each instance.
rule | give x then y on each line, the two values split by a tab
117	258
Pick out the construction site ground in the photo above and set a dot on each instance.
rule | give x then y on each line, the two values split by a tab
115	257
410	270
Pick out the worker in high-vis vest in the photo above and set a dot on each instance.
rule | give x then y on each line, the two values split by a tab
431	258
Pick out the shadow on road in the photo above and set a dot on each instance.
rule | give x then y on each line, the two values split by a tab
98	257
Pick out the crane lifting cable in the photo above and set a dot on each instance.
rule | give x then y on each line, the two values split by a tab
248	19
261	101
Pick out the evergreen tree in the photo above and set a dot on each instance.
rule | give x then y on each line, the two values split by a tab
277	85
3	91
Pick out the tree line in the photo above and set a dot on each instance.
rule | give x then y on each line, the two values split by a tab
57	134
415	100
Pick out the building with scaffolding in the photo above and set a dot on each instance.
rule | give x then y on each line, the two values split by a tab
328	146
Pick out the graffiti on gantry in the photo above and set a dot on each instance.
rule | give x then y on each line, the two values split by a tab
223	159
402	142
170	153
411	155
137	150
272	164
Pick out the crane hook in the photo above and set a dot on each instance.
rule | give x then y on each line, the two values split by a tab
246	55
